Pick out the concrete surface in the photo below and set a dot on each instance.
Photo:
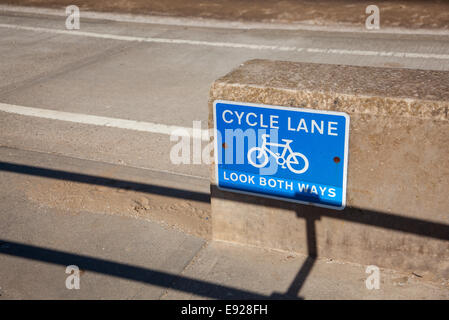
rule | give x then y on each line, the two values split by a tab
58	55
283	275
31	273
398	169
124	257
81	177
72	184
161	83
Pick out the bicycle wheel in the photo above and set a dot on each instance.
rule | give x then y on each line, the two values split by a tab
295	155
259	153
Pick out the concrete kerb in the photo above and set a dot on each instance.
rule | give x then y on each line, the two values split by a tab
398	171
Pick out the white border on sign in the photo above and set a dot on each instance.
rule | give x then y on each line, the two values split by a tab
247	104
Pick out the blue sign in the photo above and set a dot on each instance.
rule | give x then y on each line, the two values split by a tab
292	154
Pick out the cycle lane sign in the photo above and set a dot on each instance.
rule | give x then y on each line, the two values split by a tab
293	154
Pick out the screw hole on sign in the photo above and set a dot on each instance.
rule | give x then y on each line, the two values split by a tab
224	145
336	159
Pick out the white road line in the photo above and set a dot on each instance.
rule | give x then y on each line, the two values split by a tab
103	121
221	24
232	44
145	39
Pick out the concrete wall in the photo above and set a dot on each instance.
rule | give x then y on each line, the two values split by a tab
397	213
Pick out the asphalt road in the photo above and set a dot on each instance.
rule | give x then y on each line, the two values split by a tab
159	74
157	78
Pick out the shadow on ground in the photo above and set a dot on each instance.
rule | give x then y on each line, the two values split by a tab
199	287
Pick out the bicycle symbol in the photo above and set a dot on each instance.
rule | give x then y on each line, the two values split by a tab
292	158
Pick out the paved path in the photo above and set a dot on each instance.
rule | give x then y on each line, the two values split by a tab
135	257
86	112
158	74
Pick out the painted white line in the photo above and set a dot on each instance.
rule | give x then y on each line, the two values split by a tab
379	53
145	39
221	24
231	44
103	121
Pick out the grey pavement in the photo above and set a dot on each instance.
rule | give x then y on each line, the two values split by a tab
156	82
126	257
110	200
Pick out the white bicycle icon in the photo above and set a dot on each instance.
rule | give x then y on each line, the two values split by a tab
292	158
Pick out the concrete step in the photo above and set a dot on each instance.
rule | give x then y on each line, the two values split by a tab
66	183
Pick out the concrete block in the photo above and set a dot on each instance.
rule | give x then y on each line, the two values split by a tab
397	213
